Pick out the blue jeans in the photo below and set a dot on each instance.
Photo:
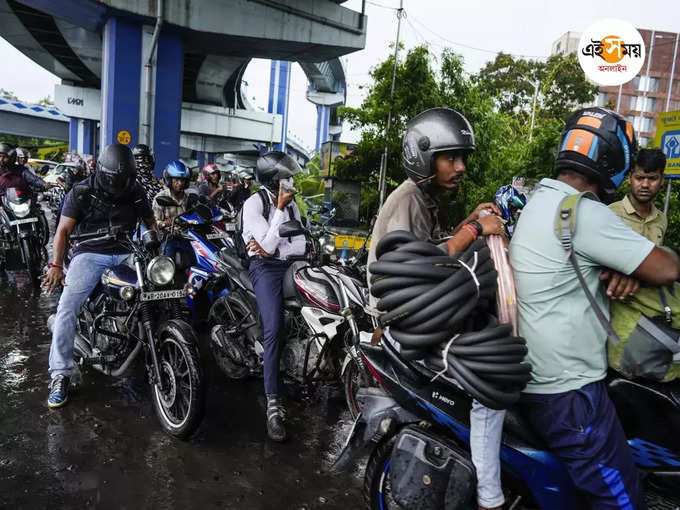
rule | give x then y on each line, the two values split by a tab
486	431
267	278
582	429
82	277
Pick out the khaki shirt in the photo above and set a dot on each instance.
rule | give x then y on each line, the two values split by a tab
165	213
653	227
407	208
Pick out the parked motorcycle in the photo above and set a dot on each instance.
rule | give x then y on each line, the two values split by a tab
23	232
417	433
136	307
323	313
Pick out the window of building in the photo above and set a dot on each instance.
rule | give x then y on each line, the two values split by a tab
601	99
644	83
643	104
643	141
642	124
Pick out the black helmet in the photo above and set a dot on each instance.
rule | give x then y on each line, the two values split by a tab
143	156
430	132
599	144
116	172
6	148
274	166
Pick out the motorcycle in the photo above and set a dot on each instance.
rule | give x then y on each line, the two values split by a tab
23	232
417	432
135	308
323	313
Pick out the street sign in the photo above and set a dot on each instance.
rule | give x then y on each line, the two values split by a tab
123	137
667	138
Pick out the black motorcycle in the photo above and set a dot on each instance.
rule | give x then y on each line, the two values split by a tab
23	233
135	308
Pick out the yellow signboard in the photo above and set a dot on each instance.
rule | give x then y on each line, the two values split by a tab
123	137
330	151
667	138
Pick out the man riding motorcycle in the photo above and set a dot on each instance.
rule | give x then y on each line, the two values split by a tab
559	291
268	264
241	192
211	187
22	156
111	196
145	162
13	175
435	150
177	179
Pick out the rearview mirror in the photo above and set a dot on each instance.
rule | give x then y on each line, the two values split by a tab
291	228
164	201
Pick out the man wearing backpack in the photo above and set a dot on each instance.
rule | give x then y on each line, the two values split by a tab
261	216
560	293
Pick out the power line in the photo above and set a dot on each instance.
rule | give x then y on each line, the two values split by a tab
382	6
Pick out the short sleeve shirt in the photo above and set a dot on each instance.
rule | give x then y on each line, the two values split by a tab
407	208
653	227
567	344
125	214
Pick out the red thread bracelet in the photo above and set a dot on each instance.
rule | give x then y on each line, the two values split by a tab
472	230
50	266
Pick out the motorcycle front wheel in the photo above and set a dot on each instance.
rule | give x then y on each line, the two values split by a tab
178	399
31	259
377	487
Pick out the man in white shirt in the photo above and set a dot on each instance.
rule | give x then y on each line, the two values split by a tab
263	214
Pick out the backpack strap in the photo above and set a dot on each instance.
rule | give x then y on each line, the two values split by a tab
266	205
565	228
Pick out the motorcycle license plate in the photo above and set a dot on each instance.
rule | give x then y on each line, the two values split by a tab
163	294
217	235
230	227
21	222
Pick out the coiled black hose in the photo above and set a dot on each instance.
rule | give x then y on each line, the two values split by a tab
431	303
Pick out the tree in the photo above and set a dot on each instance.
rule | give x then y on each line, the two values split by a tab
6	94
46	101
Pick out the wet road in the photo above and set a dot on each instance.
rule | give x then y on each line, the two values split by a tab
105	449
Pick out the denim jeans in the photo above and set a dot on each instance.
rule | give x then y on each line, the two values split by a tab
486	431
82	277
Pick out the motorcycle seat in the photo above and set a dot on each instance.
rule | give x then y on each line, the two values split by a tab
231	260
517	427
244	278
289	291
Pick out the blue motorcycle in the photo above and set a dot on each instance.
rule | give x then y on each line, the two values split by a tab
417	433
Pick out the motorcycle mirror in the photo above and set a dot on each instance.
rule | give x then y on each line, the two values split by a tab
291	228
204	212
151	240
166	202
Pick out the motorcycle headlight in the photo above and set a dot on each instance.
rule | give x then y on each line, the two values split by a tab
21	210
327	244
160	270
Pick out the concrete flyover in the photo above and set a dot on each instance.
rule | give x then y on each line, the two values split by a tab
21	119
197	58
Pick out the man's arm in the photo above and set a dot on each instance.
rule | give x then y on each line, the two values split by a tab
150	222
55	275
34	180
660	267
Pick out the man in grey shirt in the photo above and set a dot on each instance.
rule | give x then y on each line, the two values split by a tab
435	149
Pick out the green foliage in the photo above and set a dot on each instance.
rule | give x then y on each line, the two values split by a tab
497	102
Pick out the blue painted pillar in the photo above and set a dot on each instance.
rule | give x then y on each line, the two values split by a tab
168	101
323	118
89	135
279	90
200	158
121	78
73	134
211	157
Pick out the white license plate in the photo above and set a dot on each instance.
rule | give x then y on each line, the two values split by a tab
21	222
163	294
217	235
230	227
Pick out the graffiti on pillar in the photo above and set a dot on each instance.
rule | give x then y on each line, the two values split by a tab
123	137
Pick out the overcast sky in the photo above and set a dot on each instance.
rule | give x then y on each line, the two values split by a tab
475	29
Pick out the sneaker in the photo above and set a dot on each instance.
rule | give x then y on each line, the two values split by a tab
276	429
58	391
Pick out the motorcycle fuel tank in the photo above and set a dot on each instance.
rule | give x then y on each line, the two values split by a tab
117	277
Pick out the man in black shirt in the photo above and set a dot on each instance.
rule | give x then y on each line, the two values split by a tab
111	197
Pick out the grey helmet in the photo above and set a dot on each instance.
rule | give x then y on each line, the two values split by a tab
274	166
22	153
6	148
429	133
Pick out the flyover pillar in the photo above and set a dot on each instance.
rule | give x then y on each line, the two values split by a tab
168	99
279	90
323	117
81	135
121	78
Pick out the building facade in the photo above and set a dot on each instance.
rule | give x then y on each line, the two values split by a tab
656	89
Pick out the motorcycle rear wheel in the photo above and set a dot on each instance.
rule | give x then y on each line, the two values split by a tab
227	312
179	400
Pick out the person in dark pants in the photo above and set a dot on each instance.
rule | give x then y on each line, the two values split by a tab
263	214
566	400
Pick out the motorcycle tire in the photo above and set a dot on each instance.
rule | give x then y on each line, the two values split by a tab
377	489
179	405
222	315
353	379
30	259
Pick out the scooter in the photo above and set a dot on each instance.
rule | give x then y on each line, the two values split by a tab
417	434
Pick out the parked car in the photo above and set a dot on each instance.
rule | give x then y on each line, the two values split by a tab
42	166
58	171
